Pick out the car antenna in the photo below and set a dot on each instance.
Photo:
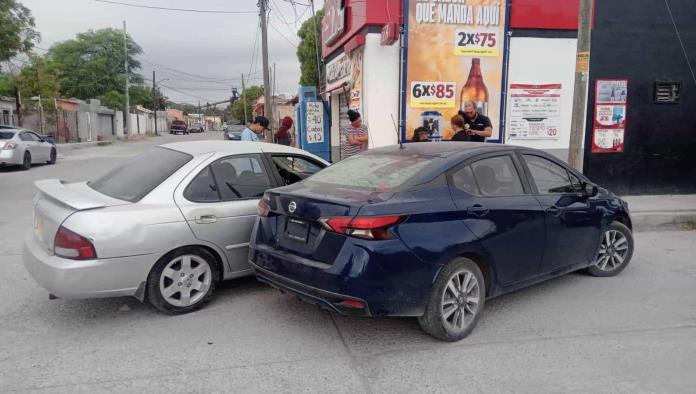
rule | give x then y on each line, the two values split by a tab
398	135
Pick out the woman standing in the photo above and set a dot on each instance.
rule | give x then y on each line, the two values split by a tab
282	135
354	138
460	133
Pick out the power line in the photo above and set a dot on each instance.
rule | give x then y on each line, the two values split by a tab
174	9
201	77
281	34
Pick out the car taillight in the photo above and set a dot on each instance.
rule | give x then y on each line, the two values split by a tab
73	246
10	146
263	208
366	227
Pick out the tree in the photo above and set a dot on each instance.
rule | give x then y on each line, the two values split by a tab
309	33
7	85
138	95
17	34
91	65
39	78
251	94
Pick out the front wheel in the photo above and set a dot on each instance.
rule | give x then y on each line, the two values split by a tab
615	251
183	281
456	301
52	159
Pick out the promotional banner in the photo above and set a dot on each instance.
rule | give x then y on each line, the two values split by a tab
535	111
610	116
455	54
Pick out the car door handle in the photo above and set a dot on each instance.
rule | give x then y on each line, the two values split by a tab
477	210
206	219
553	210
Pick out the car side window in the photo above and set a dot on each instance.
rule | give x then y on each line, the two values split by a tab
549	177
25	136
34	137
294	169
241	177
202	188
464	180
497	176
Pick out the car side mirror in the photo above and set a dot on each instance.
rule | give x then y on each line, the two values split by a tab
589	189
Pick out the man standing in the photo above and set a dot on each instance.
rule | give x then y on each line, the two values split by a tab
478	126
354	138
255	130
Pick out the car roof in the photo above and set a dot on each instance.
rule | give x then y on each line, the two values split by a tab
232	147
455	150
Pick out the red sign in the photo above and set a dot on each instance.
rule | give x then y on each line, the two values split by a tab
609	124
334	22
544	14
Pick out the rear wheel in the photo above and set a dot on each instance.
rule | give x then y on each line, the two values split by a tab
26	161
615	251
183	281
455	302
52	159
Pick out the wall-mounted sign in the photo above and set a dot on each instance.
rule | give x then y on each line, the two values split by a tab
315	122
338	71
535	111
609	116
390	34
334	22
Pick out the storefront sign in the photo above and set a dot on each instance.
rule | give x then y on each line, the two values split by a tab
315	122
390	34
338	71
334	22
535	111
609	116
356	75
455	54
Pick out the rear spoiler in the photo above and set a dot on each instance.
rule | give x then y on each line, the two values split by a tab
78	196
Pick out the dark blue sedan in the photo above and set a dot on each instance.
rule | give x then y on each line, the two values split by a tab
433	230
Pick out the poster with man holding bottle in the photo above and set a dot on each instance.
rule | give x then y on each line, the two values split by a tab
455	55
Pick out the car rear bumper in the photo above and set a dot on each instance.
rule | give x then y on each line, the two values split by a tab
10	156
77	279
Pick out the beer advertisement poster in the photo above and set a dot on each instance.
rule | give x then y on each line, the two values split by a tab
609	116
455	53
535	111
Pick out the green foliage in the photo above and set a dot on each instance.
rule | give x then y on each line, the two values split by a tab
17	34
114	100
138	95
39	78
250	95
91	65
309	33
7	85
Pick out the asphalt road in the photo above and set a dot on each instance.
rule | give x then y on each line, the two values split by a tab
632	333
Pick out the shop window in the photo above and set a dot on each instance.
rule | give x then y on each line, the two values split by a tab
667	92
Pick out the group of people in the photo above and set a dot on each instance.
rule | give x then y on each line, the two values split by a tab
255	130
468	125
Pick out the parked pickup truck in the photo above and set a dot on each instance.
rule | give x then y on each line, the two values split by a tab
178	126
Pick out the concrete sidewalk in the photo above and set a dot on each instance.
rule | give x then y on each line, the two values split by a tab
68	147
662	211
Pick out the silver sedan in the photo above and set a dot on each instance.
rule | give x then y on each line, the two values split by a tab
24	148
166	227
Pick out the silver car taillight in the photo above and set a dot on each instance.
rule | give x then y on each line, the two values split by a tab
10	146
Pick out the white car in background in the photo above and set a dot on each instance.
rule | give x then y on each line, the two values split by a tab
23	148
166	226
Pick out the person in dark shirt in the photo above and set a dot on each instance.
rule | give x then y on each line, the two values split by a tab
460	133
420	134
479	127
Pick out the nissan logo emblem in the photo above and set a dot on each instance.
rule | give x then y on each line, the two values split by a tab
292	207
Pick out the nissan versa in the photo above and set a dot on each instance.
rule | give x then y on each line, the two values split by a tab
433	230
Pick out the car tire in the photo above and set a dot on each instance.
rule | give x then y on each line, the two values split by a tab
175	273
450	313
615	251
26	161
53	157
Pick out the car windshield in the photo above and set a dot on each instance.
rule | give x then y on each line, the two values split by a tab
136	178
375	172
6	135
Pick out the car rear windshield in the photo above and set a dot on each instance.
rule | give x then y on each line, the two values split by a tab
6	135
381	173
138	176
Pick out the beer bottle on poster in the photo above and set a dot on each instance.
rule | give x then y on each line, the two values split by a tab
475	89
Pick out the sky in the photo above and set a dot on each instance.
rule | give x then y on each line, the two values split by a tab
182	47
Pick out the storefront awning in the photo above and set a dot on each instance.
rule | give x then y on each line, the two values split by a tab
333	89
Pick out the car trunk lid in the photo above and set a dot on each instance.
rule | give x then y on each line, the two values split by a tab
57	200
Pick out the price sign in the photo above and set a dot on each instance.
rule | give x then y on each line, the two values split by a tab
429	94
315	122
469	42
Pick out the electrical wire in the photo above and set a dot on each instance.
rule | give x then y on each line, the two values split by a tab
174	9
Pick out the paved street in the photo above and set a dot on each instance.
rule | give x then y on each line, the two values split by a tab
632	333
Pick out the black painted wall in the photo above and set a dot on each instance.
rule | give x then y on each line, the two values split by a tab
637	40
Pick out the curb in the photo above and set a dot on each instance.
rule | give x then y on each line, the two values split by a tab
661	220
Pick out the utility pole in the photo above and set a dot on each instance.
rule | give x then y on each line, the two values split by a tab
154	99
244	101
126	113
582	72
266	73
316	45
273	94
18	105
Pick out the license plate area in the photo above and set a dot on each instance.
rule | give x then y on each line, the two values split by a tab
297	230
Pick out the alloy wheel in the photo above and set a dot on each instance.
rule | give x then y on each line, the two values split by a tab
612	251
460	301
185	280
